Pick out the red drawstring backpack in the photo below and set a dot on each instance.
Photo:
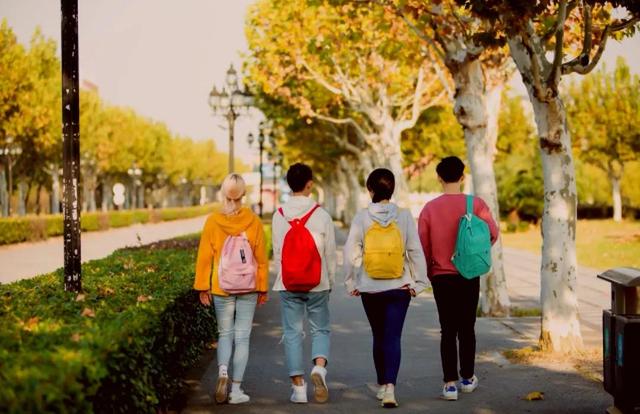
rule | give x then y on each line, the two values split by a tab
301	262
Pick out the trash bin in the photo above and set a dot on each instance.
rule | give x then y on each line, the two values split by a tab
621	340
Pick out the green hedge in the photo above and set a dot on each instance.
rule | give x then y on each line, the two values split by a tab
122	348
32	228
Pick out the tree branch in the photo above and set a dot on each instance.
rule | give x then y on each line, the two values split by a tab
555	72
319	78
576	66
535	66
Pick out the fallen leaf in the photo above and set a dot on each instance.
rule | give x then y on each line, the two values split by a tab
106	291
81	297
28	326
534	396
88	313
143	298
75	337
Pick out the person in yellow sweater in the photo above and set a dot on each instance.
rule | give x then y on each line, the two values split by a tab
232	266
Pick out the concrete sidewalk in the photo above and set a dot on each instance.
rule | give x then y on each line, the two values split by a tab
352	376
24	260
523	281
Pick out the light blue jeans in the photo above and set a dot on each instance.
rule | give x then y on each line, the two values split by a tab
234	315
293	306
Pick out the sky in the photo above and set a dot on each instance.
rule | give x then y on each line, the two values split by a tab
161	57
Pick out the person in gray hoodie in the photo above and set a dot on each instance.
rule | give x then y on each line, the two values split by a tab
384	265
314	304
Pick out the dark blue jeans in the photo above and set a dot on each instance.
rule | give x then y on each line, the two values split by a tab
386	312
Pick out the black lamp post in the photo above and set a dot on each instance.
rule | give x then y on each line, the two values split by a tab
276	157
10	151
231	102
264	133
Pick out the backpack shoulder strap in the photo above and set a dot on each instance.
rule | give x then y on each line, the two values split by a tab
306	217
469	205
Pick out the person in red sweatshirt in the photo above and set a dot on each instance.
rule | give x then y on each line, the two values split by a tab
456	297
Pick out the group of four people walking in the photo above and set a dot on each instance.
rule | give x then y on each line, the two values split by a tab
387	260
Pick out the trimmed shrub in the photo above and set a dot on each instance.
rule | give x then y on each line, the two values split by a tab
122	346
32	228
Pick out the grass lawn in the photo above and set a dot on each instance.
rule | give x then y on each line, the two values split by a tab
601	244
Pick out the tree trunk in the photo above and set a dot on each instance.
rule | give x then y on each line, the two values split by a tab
617	197
106	196
4	195
476	110
329	189
22	210
354	190
390	153
560	330
38	199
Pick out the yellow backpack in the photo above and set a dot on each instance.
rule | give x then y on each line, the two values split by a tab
383	252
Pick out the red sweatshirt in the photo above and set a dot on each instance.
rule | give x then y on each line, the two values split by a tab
438	229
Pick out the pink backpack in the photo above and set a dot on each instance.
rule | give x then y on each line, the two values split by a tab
237	270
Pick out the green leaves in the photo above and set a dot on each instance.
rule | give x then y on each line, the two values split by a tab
123	347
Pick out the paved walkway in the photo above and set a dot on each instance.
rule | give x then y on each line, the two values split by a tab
351	371
24	260
523	281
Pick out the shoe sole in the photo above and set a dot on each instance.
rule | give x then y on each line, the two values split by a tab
390	405
468	391
222	390
238	402
320	392
449	398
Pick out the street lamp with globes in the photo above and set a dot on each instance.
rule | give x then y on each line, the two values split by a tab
10	151
230	103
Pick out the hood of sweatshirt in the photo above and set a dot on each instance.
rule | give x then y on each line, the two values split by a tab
297	206
383	213
236	223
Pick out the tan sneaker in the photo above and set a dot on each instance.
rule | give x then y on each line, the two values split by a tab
222	389
318	377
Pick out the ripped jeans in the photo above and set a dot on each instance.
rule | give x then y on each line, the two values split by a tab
294	306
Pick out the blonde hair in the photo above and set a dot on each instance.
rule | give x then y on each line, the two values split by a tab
230	182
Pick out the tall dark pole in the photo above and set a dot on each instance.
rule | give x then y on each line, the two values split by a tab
231	117
71	145
275	183
261	143
10	183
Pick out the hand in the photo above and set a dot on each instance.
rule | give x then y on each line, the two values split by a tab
354	292
412	292
205	298
263	297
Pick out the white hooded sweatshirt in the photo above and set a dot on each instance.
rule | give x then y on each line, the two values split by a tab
355	275
321	227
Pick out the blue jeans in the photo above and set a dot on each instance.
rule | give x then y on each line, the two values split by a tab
234	315
293	306
386	312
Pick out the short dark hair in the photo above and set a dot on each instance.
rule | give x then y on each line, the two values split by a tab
381	182
450	169
298	176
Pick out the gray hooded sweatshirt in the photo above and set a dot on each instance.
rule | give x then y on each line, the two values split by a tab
384	214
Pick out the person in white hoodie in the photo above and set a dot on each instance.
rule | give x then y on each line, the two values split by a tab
315	302
384	265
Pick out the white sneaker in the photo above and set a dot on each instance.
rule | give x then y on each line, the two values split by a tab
380	393
299	394
318	378
389	398
469	385
450	393
238	397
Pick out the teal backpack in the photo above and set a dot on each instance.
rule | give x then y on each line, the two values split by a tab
472	255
